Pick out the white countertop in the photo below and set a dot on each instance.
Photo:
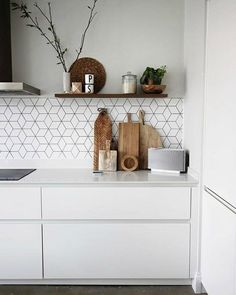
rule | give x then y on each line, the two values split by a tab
87	177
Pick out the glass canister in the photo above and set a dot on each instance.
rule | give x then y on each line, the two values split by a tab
129	83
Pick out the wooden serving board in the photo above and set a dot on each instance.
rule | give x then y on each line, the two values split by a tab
128	143
149	138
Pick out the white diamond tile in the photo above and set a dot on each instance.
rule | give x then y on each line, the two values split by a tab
53	128
101	104
68	133
9	144
55	102
145	102
148	117
120	102
153	105
3	141
74	121
41	117
174	101
134	109
28	140
93	118
8	128
3	124
167	129
81	140
179	121
160	102
15	125
167	113
42	132
3	118
173	132
28	117
2	109
173	125
14	133
146	109
127	106
160	125
8	113
54	109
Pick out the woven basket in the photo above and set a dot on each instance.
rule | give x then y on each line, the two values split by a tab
102	133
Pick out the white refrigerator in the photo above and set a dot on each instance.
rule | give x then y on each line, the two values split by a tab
218	262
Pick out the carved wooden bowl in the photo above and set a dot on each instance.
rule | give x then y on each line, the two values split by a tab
158	89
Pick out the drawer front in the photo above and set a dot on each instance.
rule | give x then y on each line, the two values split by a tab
20	203
120	251
116	203
20	251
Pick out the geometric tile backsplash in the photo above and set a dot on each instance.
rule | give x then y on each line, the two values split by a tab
56	128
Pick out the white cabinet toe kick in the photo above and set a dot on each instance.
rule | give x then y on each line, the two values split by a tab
96	235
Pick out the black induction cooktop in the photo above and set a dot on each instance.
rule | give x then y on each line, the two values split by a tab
14	174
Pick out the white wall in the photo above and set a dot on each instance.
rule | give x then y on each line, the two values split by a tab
126	35
195	27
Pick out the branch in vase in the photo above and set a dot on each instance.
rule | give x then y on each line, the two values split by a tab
90	20
55	43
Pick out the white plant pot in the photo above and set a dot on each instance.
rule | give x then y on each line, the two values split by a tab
66	82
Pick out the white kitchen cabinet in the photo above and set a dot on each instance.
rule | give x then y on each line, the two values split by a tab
218	248
114	233
20	203
116	251
116	203
220	139
20	251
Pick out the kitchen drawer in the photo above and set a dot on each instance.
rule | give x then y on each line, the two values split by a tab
116	203
116	251
20	203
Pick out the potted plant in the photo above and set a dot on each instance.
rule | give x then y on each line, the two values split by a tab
151	80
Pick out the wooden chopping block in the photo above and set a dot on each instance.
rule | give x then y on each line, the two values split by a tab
107	159
149	138
128	143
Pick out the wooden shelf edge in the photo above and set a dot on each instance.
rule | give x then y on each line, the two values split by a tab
107	95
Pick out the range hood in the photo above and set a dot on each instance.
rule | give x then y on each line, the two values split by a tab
17	88
7	87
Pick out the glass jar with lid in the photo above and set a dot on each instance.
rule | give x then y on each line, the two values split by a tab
129	83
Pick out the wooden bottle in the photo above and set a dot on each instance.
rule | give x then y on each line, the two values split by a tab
102	133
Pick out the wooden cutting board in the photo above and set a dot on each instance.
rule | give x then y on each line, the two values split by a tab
128	143
149	138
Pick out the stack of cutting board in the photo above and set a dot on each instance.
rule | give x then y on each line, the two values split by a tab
134	141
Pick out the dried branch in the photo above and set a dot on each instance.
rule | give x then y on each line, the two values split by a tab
51	28
90	20
55	43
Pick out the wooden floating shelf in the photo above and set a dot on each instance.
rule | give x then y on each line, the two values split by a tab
112	95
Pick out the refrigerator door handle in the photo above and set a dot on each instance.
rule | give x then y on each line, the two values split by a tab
220	199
